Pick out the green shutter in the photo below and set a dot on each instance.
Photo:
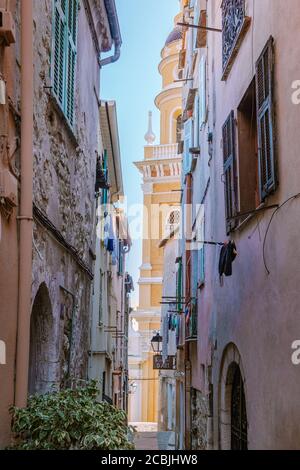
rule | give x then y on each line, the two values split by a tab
58	66
105	170
265	121
64	55
71	59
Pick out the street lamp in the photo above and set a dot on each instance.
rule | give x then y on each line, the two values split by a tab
156	343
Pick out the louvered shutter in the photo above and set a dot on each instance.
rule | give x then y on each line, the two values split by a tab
201	239
202	80
71	59
59	41
64	55
265	121
197	122
230	181
188	142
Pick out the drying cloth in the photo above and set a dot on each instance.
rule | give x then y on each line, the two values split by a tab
227	256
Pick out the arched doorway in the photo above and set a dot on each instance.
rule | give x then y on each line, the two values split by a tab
40	378
233	423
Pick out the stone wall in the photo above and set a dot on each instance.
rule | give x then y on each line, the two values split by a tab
64	182
199	415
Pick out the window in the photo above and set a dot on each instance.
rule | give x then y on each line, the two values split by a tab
239	424
120	258
248	152
229	177
235	25
257	173
265	121
64	52
179	129
173	221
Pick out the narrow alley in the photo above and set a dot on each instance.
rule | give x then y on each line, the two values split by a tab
149	225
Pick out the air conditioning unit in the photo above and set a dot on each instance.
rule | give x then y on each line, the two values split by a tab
7	27
9	188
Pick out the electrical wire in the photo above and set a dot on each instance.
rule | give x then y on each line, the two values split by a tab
269	226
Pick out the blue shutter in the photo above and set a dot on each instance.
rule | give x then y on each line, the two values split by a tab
202	86
188	142
265	124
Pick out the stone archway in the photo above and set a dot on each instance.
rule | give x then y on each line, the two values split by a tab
233	424
40	378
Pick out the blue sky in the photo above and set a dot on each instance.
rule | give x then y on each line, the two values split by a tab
133	82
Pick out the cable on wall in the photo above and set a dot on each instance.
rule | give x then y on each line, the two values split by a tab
296	196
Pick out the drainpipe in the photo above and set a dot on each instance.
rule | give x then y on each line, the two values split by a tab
26	197
115	32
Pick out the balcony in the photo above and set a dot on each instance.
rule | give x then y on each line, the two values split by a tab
162	152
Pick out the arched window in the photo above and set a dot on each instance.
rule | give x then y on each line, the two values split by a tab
179	129
173	221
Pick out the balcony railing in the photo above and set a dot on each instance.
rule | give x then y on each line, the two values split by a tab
164	151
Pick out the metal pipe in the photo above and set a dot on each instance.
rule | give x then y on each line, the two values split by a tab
26	196
115	32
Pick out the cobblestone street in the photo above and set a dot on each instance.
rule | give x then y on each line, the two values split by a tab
147	438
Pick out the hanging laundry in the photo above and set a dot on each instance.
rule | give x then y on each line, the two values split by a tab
227	256
110	242
188	314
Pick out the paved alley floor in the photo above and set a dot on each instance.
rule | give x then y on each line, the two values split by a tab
148	438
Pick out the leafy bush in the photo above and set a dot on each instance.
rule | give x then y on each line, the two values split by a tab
70	419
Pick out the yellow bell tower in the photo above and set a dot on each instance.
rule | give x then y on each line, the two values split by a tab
161	173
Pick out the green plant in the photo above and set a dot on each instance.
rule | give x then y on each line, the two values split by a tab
70	419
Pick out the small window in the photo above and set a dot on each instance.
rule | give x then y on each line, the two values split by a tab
173	221
179	129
